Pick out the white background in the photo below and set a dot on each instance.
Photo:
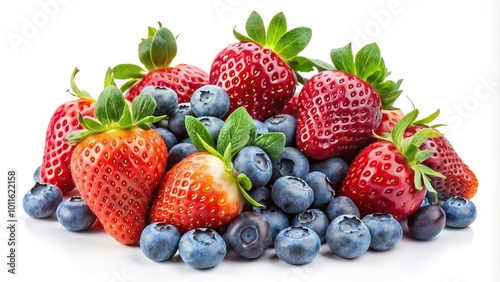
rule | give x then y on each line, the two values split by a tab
446	51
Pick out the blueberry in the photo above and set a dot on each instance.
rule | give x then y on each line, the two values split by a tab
261	195
202	248
210	100
322	188
347	236
292	194
213	126
425	202
42	200
176	120
261	128
36	175
166	99
74	214
334	168
341	205
385	231
284	123
297	245
427	222
167	136
249	235
313	219
291	162
254	163
159	241
178	152
276	218
460	212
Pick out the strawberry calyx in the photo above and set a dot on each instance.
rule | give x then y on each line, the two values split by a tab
409	147
369	66
77	92
112	111
237	132
156	52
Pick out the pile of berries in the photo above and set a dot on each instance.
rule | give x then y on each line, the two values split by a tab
183	161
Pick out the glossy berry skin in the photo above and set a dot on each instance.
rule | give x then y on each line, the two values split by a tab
36	175
249	235
202	248
254	77
184	79
167	136
297	245
213	125
197	192
337	114
380	180
276	218
340	205
427	222
159	241
322	188
261	128
291	162
460	179
292	194
459	211
254	162
291	107
166	99
210	100
176	120
284	123
261	195
386	232
116	173
314	219
74	214
389	119
178	152
334	168
348	237
42	200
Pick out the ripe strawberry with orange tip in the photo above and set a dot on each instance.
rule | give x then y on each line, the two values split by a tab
118	162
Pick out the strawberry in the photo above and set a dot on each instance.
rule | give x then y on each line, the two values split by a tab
339	109
389	120
389	175
291	107
55	168
204	189
118	162
157	52
258	71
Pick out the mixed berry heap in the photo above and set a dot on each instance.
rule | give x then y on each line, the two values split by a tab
238	159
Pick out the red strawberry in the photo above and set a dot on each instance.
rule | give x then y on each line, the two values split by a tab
57	154
339	109
156	53
389	119
388	175
118	162
256	72
203	189
291	107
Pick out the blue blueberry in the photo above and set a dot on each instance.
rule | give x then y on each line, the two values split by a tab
348	237
276	218
167	136
297	245
159	241
313	219
261	128
460	212
178	152
386	232
425	202
322	188
202	248
36	175
291	162
249	235
254	162
261	195
213	126
284	123
166	99
334	168
74	214
427	222
42	200
292	194
210	100
341	205
176	120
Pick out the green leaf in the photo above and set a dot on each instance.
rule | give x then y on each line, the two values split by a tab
277	27
400	128
240	36
163	48
272	143
367	61
210	149
109	105
420	136
128	84
244	182
343	59
423	155
126	71
238	130
429	171
303	64
142	106
109	78
76	136
379	75
256	29
293	42
145	53
428	119
388	99
152	31
91	124
76	91
417	178
196	131
127	120
249	199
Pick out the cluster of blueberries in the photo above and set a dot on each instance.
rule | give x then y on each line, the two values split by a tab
301	211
